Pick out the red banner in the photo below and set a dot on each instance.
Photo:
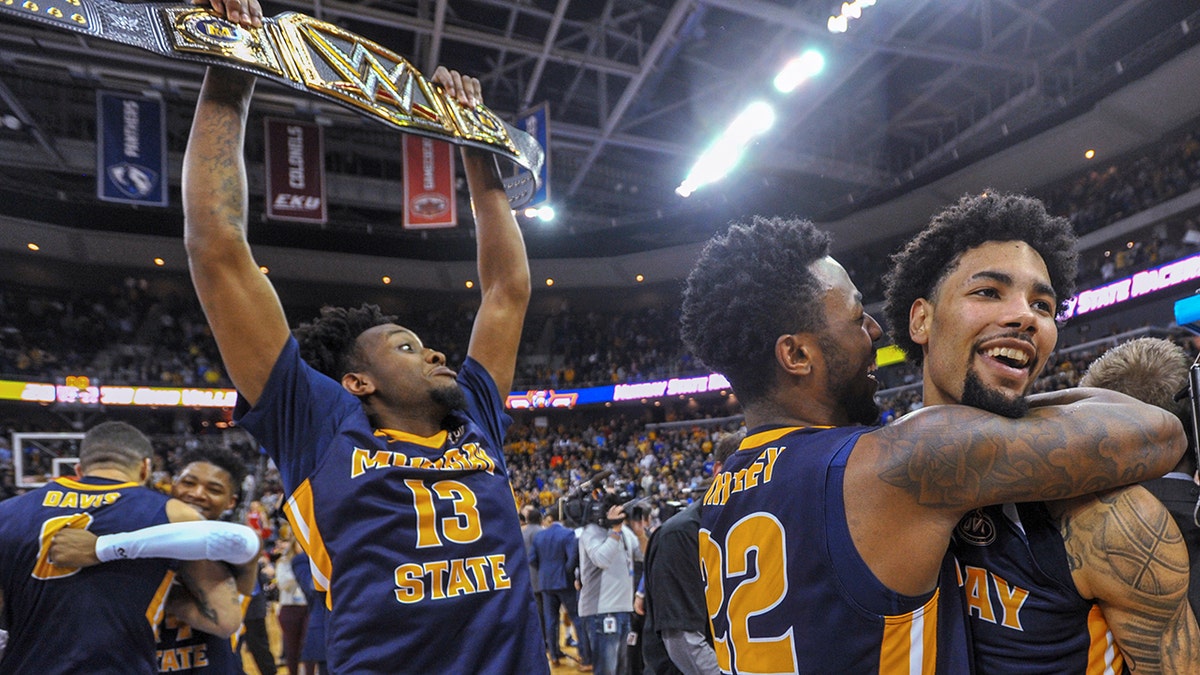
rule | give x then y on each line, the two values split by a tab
429	195
295	171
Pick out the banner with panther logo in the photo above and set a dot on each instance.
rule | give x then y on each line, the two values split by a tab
429	194
304	53
131	149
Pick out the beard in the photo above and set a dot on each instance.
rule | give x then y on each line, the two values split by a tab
857	402
976	395
450	398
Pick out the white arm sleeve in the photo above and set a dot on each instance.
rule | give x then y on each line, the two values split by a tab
194	540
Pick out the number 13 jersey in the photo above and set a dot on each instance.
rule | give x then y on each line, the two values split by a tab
415	539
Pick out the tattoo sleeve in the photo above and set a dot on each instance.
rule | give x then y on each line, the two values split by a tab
1127	554
959	458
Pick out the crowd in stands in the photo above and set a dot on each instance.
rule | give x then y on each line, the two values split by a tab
131	333
134	333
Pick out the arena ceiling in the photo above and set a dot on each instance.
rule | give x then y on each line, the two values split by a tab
919	101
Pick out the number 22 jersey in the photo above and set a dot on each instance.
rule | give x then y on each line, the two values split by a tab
786	589
415	539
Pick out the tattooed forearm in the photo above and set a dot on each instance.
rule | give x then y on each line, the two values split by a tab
957	457
199	599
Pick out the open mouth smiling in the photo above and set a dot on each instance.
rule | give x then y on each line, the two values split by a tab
1013	358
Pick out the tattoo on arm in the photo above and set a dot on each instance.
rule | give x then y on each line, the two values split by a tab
962	458
1131	558
199	598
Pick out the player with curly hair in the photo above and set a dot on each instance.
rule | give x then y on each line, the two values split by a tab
974	298
824	540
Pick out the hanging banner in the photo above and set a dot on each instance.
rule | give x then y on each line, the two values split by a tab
429	194
304	53
295	171
536	123
131	149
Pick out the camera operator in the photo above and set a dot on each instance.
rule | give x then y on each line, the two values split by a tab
606	554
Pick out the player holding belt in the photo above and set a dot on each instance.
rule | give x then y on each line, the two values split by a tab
397	486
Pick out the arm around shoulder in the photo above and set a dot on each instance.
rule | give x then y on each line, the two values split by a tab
208	600
957	457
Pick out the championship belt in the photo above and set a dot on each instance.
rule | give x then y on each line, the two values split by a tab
306	54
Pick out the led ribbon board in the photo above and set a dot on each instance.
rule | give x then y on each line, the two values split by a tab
303	53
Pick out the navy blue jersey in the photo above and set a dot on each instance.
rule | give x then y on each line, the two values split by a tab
181	649
416	540
98	619
1026	615
786	589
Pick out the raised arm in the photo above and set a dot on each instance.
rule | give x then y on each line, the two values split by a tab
1126	553
243	311
958	458
503	266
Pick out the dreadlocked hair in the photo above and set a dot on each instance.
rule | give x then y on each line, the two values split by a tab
751	285
328	342
932	255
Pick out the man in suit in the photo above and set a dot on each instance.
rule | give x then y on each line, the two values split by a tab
550	556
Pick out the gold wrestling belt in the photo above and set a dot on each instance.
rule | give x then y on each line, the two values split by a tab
306	54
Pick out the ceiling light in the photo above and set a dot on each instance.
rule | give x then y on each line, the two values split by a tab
798	70
728	149
850	10
33	247
1089	154
470	284
160	262
263	269
546	213
386	280
549	282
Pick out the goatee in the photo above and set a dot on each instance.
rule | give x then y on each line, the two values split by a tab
976	395
451	399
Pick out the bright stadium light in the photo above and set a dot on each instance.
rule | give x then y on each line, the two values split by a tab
850	10
798	70
727	150
546	213
758	117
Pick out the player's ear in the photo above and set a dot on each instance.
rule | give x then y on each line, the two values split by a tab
920	315
794	352
358	384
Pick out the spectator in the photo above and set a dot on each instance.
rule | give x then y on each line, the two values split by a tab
606	552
